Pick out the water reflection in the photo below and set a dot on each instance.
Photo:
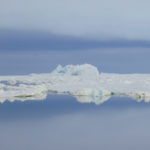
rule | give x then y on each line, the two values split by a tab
82	99
61	119
58	105
93	99
103	98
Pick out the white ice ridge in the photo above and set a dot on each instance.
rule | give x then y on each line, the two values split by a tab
82	81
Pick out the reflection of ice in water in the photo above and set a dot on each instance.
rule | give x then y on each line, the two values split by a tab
92	99
101	99
82	81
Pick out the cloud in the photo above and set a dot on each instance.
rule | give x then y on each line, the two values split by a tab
93	19
36	40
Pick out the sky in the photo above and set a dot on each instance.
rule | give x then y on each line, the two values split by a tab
96	20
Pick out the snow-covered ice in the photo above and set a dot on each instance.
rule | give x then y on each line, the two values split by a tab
82	81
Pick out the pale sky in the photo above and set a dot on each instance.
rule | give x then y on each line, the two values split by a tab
96	19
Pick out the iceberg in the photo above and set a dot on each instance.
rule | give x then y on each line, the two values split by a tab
81	81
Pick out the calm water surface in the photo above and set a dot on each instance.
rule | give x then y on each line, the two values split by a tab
60	122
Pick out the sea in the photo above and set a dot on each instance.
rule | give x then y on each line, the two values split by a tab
60	122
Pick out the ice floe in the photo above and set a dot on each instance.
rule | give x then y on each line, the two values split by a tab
82	81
